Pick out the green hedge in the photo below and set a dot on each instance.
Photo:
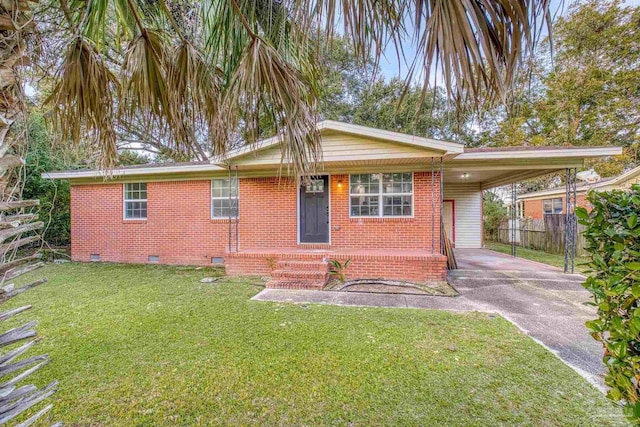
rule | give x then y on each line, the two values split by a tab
613	242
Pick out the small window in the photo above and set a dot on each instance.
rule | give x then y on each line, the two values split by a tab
386	194
135	200
552	206
315	186
224	198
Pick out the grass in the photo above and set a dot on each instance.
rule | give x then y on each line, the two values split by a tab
534	255
152	346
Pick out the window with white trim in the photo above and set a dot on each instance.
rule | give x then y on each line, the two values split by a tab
224	198
135	200
552	206
381	195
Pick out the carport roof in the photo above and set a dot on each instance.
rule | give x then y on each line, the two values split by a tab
492	167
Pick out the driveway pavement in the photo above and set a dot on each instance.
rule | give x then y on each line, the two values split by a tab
545	304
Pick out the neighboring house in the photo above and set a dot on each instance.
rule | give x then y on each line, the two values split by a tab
536	204
378	199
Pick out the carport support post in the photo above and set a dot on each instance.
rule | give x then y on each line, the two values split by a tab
570	223
514	215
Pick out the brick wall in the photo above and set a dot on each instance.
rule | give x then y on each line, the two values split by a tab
268	213
533	208
179	228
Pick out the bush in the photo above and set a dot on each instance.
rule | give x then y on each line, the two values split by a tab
495	212
613	242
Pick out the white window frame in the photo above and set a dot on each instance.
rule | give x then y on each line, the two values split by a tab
224	197
381	196
125	200
552	200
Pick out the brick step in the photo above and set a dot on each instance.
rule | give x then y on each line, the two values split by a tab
314	275
295	284
302	265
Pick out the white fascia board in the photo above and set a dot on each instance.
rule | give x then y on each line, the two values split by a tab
131	172
580	153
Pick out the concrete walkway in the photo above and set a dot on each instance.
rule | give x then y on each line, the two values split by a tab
547	305
485	259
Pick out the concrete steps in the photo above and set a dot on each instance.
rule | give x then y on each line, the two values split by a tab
299	274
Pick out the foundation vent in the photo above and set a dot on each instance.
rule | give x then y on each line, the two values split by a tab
94	257
153	258
217	260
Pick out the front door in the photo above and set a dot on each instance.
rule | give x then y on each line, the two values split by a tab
314	210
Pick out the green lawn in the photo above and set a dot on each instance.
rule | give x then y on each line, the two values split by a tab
152	346
543	257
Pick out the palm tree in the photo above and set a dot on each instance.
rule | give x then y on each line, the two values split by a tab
210	67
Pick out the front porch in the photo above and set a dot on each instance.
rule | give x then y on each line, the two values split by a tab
301	268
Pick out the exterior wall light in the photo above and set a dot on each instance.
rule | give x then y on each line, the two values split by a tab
339	183
465	175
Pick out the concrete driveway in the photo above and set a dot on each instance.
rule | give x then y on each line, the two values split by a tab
548	306
542	301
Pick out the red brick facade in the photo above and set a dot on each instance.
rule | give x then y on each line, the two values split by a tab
533	208
179	228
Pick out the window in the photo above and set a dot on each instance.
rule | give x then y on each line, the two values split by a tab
315	186
552	206
381	194
224	198
135	200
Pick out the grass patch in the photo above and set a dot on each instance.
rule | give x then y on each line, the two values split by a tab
534	255
152	346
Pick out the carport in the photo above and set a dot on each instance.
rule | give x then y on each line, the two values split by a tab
467	175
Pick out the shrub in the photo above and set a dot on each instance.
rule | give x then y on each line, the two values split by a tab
495	212
613	242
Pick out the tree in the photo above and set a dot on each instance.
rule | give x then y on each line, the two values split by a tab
589	95
197	71
593	92
55	197
394	107
495	212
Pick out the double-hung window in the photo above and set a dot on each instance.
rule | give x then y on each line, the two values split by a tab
224	198
552	206
381	194
135	200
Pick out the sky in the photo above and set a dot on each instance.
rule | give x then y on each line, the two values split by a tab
390	67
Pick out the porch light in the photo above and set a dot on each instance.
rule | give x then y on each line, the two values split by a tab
464	175
339	183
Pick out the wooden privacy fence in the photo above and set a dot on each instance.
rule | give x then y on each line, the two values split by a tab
545	234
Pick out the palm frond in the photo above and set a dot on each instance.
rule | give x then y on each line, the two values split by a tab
195	90
82	107
478	45
263	81
146	93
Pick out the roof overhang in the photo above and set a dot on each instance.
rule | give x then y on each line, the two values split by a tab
493	168
134	171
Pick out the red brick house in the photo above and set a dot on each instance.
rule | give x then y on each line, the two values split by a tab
536	204
379	198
